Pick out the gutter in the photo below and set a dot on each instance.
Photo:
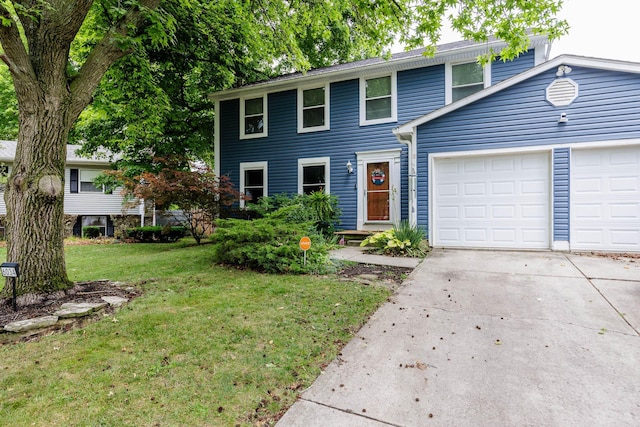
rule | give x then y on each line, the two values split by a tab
408	139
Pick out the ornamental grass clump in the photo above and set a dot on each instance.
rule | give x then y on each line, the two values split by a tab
402	239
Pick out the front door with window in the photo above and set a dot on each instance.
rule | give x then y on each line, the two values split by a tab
379	181
378	196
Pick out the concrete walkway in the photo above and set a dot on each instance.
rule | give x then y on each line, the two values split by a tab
484	338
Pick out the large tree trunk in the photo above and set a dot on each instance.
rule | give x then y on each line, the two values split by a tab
49	101
35	200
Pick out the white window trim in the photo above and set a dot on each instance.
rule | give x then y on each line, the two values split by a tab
448	78
265	114
363	100
80	181
326	125
253	166
315	161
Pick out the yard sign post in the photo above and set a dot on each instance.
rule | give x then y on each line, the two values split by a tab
305	244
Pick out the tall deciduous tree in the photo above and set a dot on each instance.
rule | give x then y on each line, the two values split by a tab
36	37
58	52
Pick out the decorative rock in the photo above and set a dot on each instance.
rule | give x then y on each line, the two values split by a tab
31	324
78	309
114	301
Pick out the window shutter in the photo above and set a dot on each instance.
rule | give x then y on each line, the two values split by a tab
73	180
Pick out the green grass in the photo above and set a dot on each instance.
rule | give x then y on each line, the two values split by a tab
204	345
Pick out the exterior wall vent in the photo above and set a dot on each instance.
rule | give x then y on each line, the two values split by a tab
562	92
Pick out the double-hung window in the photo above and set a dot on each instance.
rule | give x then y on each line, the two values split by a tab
313	109
253	180
86	181
378	100
253	117
466	79
313	175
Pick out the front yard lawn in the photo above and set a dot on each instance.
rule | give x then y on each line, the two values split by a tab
203	346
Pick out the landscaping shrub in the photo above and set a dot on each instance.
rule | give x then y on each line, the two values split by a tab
270	245
155	234
91	232
318	207
402	239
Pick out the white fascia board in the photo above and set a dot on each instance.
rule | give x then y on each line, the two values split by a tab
576	61
411	62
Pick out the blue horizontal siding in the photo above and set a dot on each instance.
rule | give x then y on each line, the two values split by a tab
420	91
502	70
607	109
520	116
284	146
561	194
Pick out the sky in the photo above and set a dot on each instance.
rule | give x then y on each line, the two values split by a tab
599	28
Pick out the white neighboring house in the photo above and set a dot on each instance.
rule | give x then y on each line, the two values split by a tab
84	203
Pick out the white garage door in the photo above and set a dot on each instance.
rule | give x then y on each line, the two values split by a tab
499	201
605	199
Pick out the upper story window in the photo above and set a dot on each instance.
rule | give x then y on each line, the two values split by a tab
466	79
378	100
313	175
86	181
253	117
313	109
253	180
81	181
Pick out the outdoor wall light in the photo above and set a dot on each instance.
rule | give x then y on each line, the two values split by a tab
563	70
563	118
349	167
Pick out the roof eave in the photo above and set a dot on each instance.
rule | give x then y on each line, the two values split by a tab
406	63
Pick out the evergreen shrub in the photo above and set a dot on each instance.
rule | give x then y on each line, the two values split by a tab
270	245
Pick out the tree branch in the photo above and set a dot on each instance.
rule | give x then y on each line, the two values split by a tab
103	55
15	54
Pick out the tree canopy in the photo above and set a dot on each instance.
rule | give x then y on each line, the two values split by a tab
146	66
154	101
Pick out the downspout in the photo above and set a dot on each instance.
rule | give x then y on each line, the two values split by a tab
408	139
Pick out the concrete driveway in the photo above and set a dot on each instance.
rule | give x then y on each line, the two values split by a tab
492	338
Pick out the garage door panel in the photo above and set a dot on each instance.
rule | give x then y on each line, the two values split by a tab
503	188
538	211
448	190
587	185
449	212
475	189
503	211
504	201
625	237
534	186
502	165
622	211
605	199
624	184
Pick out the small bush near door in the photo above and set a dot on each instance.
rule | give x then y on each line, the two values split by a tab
91	232
402	239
